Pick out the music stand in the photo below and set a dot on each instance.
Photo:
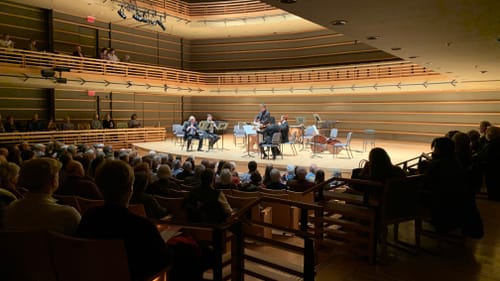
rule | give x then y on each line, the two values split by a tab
249	131
222	126
300	120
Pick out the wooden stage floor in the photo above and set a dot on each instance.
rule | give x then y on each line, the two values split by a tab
398	151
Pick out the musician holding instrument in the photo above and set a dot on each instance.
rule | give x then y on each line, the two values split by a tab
284	128
268	133
210	132
264	116
192	131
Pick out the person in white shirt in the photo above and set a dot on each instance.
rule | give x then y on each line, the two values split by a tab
5	42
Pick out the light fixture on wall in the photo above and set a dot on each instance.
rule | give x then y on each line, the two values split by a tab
143	15
122	14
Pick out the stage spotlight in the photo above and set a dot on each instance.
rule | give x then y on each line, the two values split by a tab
47	73
160	24
122	14
137	17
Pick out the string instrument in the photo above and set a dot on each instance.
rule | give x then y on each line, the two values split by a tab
320	143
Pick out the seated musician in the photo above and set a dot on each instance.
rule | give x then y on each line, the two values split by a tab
268	138
192	131
284	128
210	132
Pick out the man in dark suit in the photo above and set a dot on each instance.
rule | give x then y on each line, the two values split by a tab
268	133
284	128
264	116
191	131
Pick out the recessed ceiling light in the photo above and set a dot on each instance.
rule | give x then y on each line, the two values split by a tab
338	22
396	49
372	37
484	71
413	57
288	1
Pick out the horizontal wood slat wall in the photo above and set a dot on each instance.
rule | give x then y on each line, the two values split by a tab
23	23
400	116
279	51
151	109
117	138
22	104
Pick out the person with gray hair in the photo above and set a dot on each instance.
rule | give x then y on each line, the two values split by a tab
38	210
187	171
192	131
275	180
299	183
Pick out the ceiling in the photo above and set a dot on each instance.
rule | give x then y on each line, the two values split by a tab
457	38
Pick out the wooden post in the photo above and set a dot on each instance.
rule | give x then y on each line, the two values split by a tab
217	244
309	262
237	252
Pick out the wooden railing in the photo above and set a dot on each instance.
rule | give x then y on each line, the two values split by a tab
212	8
25	58
118	138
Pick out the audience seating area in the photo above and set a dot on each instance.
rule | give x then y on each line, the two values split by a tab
118	138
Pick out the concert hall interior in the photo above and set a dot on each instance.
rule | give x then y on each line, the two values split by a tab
343	77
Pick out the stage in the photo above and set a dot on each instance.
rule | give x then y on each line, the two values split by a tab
398	151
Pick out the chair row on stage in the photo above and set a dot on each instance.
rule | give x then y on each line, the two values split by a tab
308	137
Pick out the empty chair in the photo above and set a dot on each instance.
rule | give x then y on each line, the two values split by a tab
238	132
291	141
333	133
84	259
368	139
346	146
25	255
178	134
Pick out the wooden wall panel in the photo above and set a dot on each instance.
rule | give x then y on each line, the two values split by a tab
279	51
405	116
23	23
22	104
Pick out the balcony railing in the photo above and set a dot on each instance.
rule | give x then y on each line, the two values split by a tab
401	69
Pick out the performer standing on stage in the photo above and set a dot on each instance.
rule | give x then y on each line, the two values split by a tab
191	131
210	132
264	116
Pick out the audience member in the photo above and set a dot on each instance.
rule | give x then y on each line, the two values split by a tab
146	251
34	124
10	125
38	210
67	125
312	173
474	137
299	183
225	180
445	187
51	125
205	204
112	55
108	122
151	206
195	180
488	160
95	123
5	41
33	45
9	176
2	128
187	171
104	54
255	183
76	184
245	177
275	180
483	126
78	51
164	183
267	174
133	122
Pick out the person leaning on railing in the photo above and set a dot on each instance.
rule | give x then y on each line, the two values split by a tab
133	122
